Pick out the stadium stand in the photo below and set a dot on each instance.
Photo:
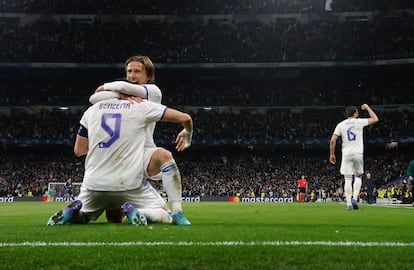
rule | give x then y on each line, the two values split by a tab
201	39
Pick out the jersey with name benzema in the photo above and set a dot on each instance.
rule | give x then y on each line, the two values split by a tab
117	135
351	131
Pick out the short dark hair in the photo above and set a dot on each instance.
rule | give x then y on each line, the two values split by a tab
349	111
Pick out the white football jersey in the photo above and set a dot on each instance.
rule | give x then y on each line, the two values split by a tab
117	134
153	94
351	132
150	92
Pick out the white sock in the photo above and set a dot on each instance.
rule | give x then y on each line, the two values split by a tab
156	215
357	186
171	181
348	189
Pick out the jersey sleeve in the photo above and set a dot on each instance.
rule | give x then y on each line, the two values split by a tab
337	130
154	93
363	121
127	88
83	125
154	111
103	95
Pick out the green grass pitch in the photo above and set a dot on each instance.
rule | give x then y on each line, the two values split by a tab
223	236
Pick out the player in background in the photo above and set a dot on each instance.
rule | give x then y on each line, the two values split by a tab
410	173
112	136
352	165
369	184
159	163
69	189
303	188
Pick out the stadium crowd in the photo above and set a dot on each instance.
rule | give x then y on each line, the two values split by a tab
206	40
208	172
276	126
195	7
242	88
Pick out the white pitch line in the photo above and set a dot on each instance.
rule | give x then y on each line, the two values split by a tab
228	243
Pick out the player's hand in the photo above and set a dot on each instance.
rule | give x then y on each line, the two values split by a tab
183	140
332	159
100	89
364	107
133	99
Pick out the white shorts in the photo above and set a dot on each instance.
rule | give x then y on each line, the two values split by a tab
352	165
94	203
148	151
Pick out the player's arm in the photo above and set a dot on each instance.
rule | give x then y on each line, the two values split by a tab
113	89
103	95
332	145
126	88
373	118
184	138
81	143
81	146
